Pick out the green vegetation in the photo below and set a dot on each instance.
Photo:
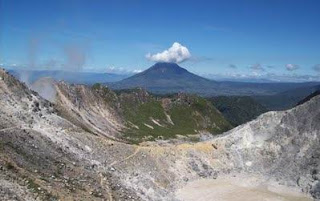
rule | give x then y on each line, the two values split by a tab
150	117
238	109
96	86
306	99
287	99
33	186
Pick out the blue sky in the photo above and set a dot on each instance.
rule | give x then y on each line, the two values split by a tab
258	38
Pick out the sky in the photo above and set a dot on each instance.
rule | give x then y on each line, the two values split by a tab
258	39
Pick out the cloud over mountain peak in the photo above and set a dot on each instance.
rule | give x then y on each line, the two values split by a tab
177	53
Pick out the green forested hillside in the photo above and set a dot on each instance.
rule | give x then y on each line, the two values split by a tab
238	109
152	117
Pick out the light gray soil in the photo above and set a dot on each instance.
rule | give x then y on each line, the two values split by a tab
229	189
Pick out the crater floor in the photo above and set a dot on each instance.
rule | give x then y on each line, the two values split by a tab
223	189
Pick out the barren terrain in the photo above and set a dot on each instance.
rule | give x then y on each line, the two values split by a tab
46	156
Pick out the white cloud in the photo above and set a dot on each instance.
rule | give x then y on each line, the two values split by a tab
267	77
137	71
292	67
121	70
175	54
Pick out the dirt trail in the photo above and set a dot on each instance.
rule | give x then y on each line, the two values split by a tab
14	127
126	158
104	183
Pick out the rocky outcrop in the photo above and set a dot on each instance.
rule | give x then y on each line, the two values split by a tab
93	110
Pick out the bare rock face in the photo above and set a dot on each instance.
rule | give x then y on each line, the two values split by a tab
280	145
44	156
89	109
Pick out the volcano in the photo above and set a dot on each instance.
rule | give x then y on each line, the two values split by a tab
166	76
163	78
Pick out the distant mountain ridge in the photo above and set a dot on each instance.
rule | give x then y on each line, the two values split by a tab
163	78
68	76
287	99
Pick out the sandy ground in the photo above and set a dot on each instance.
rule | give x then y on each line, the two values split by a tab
235	190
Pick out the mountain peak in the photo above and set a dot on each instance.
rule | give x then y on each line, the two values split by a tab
167	64
166	68
165	77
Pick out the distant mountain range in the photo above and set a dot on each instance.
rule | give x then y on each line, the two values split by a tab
165	78
68	76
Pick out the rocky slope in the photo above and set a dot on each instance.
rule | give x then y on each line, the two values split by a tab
135	115
46	157
93	110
